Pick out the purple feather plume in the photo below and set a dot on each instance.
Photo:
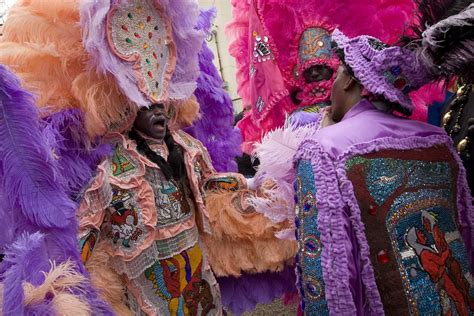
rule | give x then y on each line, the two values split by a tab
29	179
77	158
35	193
215	128
24	256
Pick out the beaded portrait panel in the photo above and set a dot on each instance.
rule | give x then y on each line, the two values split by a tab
408	204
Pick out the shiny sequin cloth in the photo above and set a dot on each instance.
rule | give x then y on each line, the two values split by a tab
310	283
407	203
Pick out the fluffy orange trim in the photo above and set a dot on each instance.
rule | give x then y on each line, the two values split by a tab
185	113
243	240
42	44
109	284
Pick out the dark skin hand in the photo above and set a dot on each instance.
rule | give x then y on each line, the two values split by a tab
152	121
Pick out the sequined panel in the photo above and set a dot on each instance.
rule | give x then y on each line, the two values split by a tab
408	206
310	283
314	43
180	285
140	33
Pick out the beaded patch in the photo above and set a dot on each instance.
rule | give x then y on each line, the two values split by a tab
139	32
180	285
315	42
172	201
308	260
121	164
408	206
87	244
228	183
124	225
395	77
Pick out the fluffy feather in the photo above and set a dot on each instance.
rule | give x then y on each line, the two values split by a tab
25	255
215	126
448	46
107	281
76	156
387	21
29	179
276	174
243	241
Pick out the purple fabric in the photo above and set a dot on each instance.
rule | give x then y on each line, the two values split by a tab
381	69
302	118
329	150
34	195
240	295
215	127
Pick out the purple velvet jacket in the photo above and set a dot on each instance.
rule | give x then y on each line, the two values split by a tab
384	219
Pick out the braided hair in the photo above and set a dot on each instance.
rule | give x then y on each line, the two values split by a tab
174	167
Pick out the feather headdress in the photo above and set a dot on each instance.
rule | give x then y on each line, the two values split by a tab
387	21
443	34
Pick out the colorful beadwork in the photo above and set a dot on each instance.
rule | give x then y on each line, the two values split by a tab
315	42
395	77
222	183
133	25
310	282
121	163
414	232
179	285
125	223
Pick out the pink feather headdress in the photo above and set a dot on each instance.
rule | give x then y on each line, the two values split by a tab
293	28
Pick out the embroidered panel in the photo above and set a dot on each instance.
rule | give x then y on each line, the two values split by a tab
123	224
308	260
139	32
160	249
122	163
172	200
87	244
226	183
180	285
408	205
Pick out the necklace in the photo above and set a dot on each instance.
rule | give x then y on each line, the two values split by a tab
457	106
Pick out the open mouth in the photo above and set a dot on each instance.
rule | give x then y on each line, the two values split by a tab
159	122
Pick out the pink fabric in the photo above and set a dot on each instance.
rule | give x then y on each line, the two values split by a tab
267	86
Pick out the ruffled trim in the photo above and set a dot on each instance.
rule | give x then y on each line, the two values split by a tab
334	257
322	165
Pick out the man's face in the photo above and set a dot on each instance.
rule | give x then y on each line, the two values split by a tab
317	73
152	121
338	94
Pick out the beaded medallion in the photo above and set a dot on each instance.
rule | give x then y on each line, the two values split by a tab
139	32
315	42
408	206
308	260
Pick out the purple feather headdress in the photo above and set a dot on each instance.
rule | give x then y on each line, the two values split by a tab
187	40
35	198
215	127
